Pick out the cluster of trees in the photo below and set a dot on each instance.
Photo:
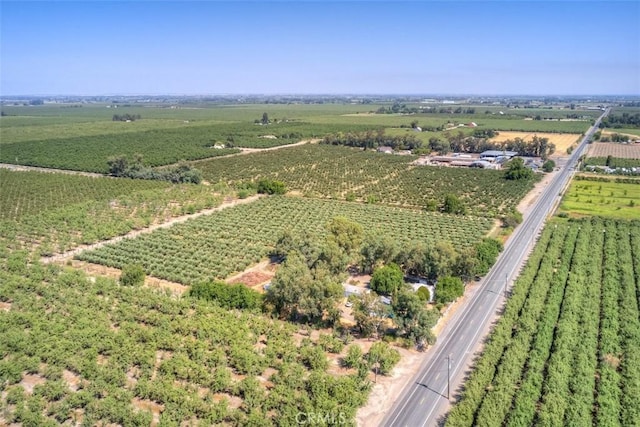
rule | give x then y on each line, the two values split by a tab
371	140
516	170
440	260
624	120
537	147
411	317
616	137
398	108
121	166
308	284
231	296
381	358
126	117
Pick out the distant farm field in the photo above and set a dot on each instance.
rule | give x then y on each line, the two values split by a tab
621	151
602	198
566	351
32	193
562	141
229	241
484	121
55	212
325	171
633	133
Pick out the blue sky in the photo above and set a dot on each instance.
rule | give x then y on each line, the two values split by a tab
428	47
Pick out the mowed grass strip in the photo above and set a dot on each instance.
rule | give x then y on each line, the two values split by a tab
607	199
233	239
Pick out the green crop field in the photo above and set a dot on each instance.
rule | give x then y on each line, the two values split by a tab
339	172
628	131
83	137
93	352
31	193
567	349
233	239
55	212
602	198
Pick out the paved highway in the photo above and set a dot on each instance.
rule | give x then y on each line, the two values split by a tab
424	401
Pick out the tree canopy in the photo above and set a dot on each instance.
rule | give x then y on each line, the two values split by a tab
387	280
517	170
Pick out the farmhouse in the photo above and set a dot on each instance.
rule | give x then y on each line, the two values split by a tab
353	290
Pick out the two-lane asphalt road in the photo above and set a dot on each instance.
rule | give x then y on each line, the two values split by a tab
424	401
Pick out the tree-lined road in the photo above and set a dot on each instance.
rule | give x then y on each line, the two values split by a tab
424	401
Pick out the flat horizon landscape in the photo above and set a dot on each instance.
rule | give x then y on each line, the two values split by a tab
302	213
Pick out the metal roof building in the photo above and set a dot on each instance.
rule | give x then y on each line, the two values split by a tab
498	153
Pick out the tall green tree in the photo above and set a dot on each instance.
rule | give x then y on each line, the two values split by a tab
448	289
413	319
387	280
442	259
376	250
452	204
370	314
345	233
516	170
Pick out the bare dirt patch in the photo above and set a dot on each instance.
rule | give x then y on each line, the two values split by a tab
388	388
160	356
252	278
132	376
6	306
562	141
255	276
114	273
29	381
149	406
71	379
527	202
233	402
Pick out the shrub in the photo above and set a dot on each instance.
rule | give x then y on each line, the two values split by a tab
382	356
271	186
548	166
132	275
227	295
423	293
453	205
353	357
449	289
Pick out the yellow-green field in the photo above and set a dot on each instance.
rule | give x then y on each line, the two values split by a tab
608	199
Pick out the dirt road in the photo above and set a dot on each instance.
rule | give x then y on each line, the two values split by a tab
61	258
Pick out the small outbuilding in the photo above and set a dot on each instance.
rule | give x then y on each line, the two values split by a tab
494	154
385	149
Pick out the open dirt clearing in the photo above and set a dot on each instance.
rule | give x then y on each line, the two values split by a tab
621	151
562	141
